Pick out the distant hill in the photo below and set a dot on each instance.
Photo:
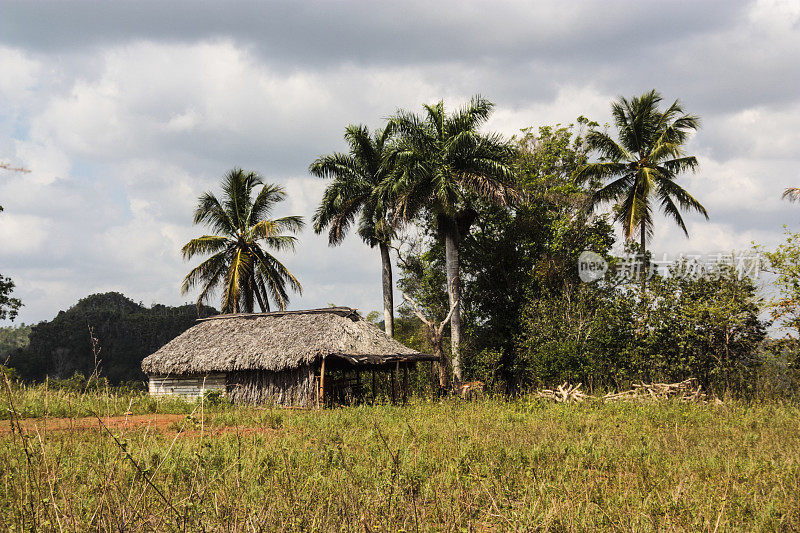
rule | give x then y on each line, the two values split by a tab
126	333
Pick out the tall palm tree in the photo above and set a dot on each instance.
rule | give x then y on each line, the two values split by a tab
355	191
241	265
444	164
643	164
792	194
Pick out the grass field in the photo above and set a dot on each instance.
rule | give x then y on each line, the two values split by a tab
485	465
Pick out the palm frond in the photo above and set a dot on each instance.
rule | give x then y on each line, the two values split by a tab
470	116
361	144
792	194
209	211
335	165
613	191
667	188
275	277
599	171
238	186
212	283
270	232
608	147
206	244
673	167
207	272
343	219
265	201
663	150
633	212
436	117
672	211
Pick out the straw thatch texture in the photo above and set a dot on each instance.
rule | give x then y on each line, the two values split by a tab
288	387
277	341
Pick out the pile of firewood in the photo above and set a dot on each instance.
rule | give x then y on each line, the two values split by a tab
564	393
688	391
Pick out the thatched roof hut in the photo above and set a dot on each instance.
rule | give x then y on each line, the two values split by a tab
276	357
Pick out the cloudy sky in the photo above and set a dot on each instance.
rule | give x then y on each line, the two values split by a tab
126	111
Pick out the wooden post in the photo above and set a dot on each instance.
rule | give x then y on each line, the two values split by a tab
405	383
321	395
394	384
374	386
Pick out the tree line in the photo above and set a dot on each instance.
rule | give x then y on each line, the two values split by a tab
486	231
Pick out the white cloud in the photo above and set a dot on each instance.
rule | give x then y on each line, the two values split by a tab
23	234
766	132
569	103
20	75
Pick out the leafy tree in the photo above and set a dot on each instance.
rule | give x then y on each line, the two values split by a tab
9	307
706	327
241	265
513	255
785	263
644	164
356	192
583	333
520	261
444	167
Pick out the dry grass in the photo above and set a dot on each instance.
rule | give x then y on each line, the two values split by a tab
489	465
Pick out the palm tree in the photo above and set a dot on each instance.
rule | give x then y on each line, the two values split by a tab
792	194
241	265
644	164
355	191
443	166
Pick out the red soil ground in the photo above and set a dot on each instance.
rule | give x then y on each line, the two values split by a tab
154	421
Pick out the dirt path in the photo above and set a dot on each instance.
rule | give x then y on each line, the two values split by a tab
154	421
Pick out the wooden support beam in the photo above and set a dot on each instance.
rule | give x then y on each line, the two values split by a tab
405	384
394	383
321	395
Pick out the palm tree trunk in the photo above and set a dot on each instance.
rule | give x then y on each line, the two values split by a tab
645	265
388	295
454	294
250	288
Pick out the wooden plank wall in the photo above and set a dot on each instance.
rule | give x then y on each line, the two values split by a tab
188	386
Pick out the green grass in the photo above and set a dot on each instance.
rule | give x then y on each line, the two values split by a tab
36	401
492	464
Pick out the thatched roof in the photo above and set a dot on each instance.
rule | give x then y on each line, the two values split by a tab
277	341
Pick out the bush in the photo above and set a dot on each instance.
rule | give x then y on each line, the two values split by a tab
213	397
